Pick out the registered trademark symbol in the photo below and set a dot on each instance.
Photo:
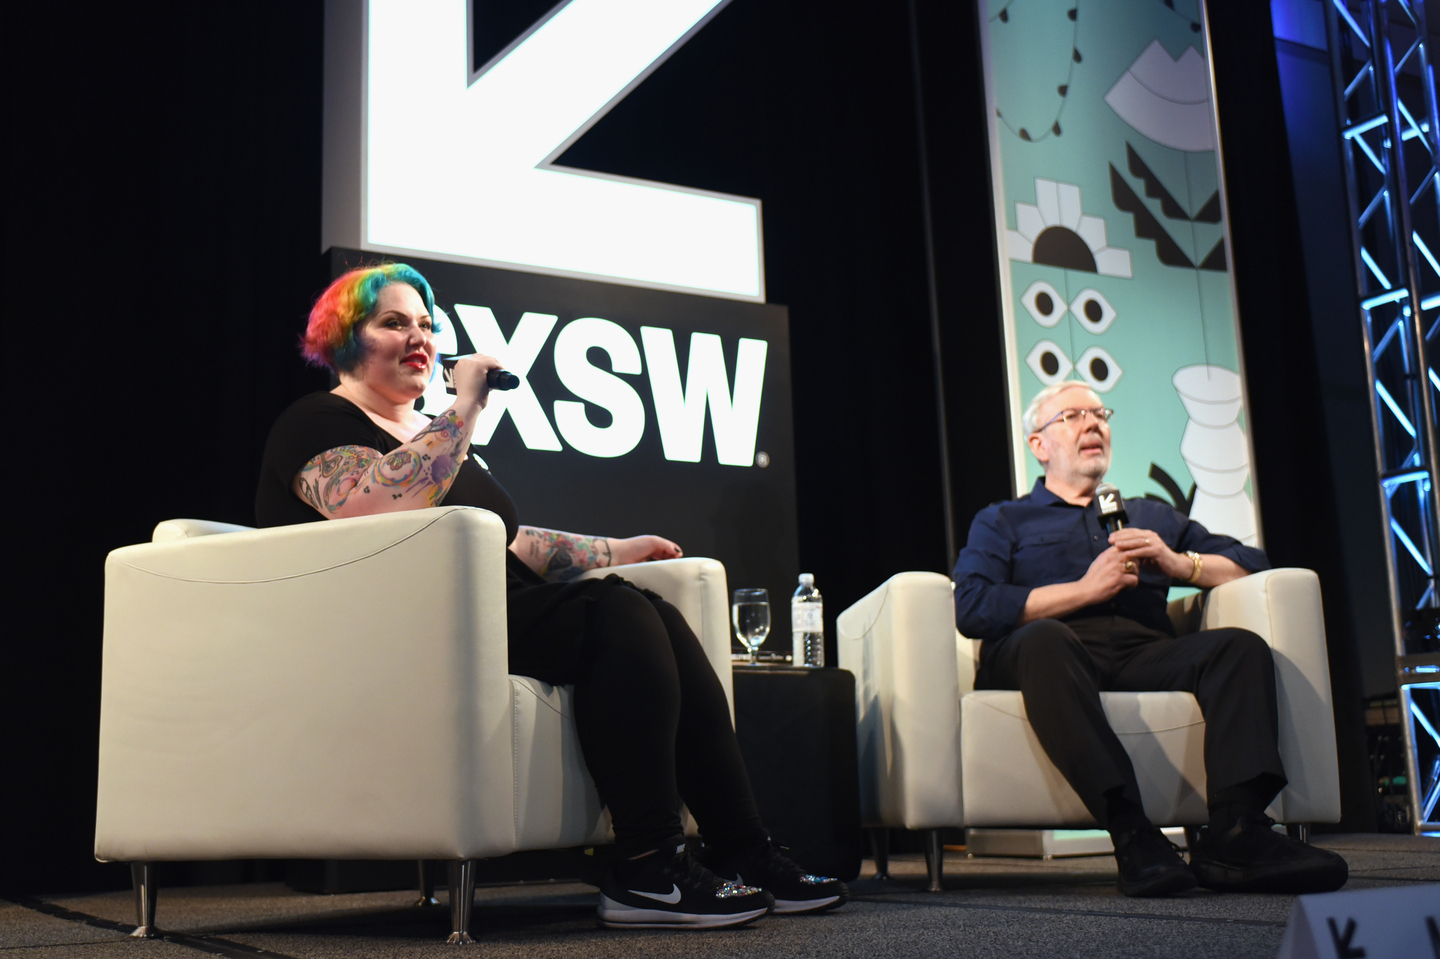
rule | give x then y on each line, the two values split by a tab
762	459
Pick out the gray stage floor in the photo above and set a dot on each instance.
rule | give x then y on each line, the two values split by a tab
991	907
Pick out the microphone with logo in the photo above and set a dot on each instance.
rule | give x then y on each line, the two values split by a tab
1111	507
498	379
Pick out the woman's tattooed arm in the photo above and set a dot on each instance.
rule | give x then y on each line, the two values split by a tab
359	481
561	556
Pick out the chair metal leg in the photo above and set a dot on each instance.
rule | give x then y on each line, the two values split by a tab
1302	832
935	859
427	886
142	875
462	896
880	843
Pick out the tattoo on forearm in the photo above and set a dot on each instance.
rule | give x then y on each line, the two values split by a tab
447	425
444	452
563	556
398	469
421	470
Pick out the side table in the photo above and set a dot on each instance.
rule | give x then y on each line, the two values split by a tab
796	729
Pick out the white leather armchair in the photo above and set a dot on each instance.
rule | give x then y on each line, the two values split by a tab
340	690
935	752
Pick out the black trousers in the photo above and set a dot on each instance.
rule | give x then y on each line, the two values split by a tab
1061	667
653	721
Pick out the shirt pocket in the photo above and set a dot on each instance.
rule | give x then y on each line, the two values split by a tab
1042	541
1054	556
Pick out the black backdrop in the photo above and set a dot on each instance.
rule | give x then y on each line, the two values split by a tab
162	247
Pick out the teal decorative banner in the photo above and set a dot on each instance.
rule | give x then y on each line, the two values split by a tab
1111	219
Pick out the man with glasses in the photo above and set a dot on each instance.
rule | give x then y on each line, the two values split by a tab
1066	610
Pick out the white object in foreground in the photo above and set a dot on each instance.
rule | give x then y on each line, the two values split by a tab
1374	923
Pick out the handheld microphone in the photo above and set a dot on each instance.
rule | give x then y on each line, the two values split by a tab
1111	507
497	379
502	380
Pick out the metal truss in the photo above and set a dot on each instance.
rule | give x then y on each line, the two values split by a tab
1385	92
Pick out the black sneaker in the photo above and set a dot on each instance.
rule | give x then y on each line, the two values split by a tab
1252	857
675	892
1149	865
794	889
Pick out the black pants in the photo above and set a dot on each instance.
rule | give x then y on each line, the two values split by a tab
1061	668
653	721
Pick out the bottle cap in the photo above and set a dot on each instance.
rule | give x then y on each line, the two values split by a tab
807	579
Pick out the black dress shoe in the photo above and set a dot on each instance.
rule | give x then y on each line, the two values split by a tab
1253	857
1149	865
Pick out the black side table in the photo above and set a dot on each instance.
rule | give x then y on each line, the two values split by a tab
796	729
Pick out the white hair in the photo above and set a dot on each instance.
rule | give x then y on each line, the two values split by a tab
1031	420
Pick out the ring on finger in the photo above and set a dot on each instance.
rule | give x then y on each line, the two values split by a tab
1129	566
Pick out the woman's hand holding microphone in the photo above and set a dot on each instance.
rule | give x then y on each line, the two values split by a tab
470	375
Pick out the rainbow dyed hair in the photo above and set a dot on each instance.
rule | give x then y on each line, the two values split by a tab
330	338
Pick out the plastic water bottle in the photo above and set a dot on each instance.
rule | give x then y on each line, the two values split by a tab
807	624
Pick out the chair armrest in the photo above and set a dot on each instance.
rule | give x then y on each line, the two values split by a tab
1185	613
173	529
329	690
696	586
899	641
1283	607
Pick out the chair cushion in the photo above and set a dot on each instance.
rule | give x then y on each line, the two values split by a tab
1007	779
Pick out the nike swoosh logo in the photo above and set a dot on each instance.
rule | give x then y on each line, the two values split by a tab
671	897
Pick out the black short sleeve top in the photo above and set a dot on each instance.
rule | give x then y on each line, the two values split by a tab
323	421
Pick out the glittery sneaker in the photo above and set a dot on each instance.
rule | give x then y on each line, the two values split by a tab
674	891
794	889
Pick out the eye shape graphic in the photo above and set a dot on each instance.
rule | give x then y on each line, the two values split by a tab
1099	369
1049	363
1043	303
1093	311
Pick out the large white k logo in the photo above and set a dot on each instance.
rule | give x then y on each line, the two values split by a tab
462	170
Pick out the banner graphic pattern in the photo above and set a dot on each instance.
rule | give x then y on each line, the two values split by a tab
1110	216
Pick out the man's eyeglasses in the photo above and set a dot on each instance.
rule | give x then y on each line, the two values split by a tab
1076	417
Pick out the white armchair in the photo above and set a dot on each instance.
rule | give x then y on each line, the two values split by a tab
935	752
340	690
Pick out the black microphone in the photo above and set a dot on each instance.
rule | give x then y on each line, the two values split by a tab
502	380
497	379
1111	507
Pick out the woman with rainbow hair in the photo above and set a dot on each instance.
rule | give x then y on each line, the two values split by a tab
652	717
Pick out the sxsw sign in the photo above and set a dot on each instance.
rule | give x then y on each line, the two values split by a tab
680	405
655	379
429	154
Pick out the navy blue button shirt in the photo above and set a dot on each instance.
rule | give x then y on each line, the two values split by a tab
1039	539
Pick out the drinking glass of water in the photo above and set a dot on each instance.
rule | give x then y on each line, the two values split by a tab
750	614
